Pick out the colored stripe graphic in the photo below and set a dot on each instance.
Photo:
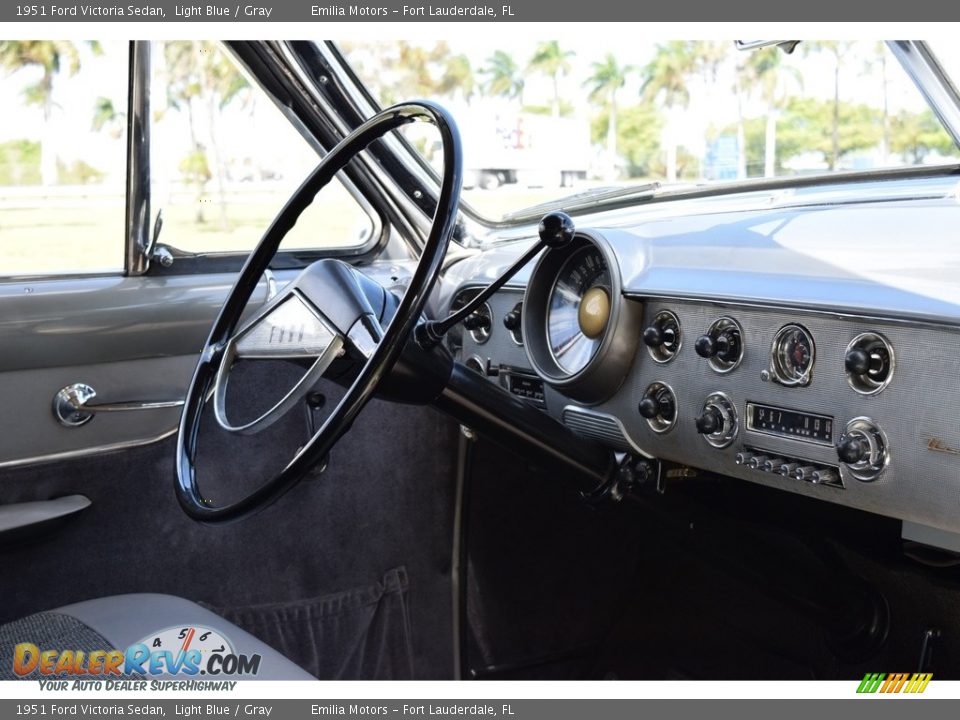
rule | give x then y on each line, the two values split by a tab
913	683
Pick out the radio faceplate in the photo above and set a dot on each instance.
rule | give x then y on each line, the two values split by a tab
793	424
524	385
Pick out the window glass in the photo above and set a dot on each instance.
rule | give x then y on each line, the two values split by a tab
542	118
62	156
225	159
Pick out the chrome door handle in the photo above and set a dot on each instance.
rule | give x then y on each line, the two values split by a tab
72	406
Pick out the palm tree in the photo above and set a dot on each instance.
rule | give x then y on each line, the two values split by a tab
551	60
880	58
503	77
764	68
200	74
739	81
838	50
607	77
51	57
457	77
666	82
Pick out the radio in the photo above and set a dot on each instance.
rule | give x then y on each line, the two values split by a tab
524	385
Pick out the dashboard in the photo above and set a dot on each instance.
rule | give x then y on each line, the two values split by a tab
749	355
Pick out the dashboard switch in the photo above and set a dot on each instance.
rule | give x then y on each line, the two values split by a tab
824	476
743	458
757	461
721	345
717	421
863	449
659	406
788	469
805	473
649	408
869	363
709	421
857	361
852	450
662	336
772	465
705	346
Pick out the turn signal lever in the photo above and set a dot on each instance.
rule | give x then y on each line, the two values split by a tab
556	230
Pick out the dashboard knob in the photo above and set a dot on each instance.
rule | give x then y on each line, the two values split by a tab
710	421
824	476
653	336
649	408
511	321
857	361
556	229
851	450
706	346
477	321
772	465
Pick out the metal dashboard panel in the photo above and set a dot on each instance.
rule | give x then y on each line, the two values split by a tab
916	411
500	348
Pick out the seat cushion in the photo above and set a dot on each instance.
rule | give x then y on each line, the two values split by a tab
120	621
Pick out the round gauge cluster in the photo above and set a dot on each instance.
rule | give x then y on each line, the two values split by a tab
792	355
579	332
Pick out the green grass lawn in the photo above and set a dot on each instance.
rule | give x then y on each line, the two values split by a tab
88	235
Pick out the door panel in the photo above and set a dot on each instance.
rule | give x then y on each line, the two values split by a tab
380	516
32	433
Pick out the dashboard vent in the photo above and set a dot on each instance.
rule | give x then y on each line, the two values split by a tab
604	428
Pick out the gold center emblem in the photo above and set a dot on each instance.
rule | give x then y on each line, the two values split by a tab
594	312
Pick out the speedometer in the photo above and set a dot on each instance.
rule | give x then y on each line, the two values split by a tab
579	331
579	309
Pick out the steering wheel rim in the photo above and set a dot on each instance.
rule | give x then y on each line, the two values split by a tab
383	356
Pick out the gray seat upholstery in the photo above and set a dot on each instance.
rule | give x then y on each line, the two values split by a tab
123	620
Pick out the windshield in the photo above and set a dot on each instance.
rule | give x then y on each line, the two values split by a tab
543	119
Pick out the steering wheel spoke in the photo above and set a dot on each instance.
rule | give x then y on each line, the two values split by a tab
289	328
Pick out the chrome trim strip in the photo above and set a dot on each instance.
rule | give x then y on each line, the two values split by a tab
577	410
788	306
85	452
138	160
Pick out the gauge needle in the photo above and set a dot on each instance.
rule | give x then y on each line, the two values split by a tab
188	639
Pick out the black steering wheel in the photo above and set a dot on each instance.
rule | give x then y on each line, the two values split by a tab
328	310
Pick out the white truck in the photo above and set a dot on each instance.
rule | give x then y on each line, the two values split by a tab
525	149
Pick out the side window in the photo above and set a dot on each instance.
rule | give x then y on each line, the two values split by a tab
62	156
224	159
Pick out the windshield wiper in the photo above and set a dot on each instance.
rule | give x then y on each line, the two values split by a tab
586	199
